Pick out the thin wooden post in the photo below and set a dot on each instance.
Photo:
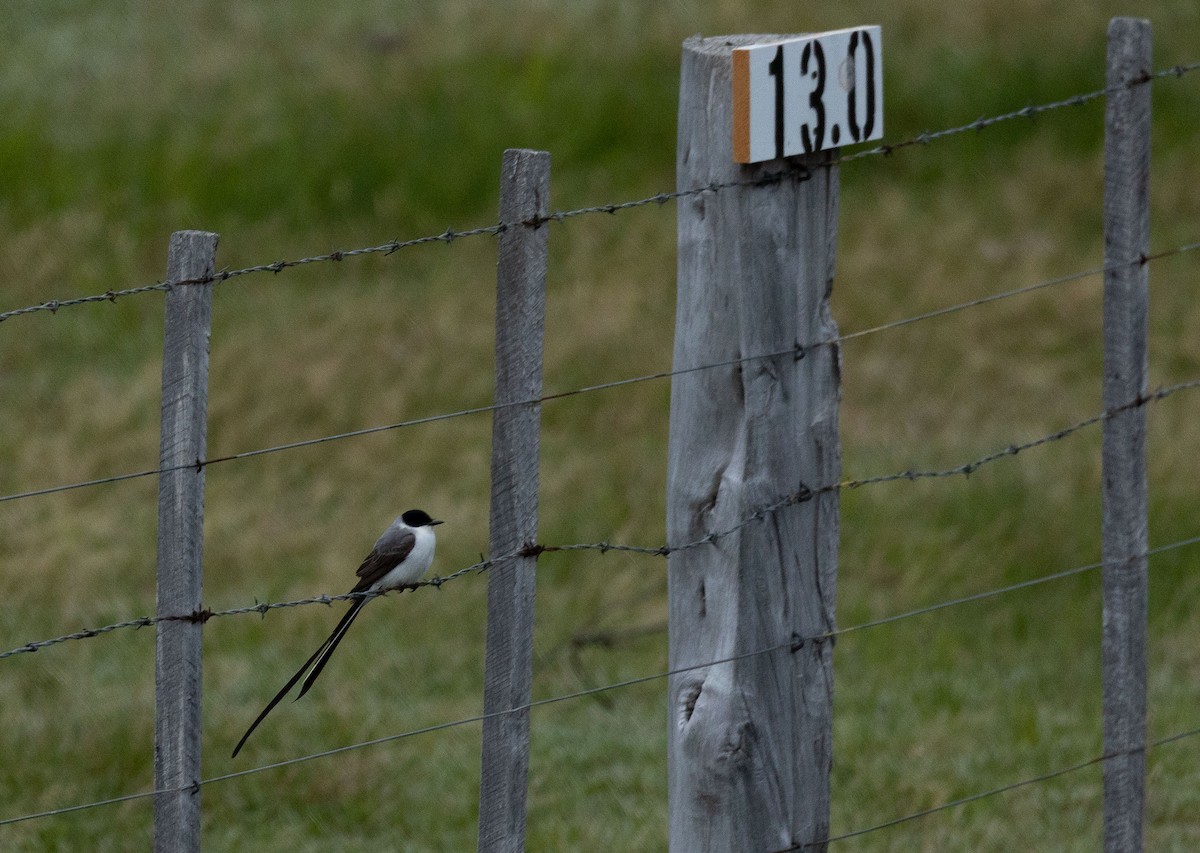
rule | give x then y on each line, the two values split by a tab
516	438
1126	302
749	741
181	542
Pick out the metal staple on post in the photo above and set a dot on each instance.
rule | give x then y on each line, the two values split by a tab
181	543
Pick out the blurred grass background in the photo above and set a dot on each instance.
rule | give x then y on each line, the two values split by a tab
299	127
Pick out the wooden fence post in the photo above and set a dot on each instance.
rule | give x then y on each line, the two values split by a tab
181	542
1125	541
516	438
749	741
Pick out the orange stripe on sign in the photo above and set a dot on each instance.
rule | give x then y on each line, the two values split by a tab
741	105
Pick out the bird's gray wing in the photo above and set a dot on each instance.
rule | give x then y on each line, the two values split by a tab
393	546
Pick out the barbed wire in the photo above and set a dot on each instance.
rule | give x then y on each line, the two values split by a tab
799	172
1017	291
1003	590
478	718
1030	112
797	350
792	644
968	468
801	495
605	638
276	267
1003	789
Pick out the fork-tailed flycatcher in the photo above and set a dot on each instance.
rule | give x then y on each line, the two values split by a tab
401	556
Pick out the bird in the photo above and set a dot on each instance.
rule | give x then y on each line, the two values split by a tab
401	556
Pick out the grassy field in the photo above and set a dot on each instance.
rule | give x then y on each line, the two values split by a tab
295	128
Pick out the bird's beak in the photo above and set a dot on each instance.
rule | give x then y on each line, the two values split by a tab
436	521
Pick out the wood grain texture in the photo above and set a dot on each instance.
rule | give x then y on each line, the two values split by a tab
749	743
181	541
516	439
1125	540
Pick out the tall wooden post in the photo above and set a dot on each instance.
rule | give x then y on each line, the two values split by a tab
516	439
1126	302
749	742
181	542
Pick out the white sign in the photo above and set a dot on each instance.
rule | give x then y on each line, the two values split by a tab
807	94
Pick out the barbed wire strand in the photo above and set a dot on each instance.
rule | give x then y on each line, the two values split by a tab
800	496
537	703
450	235
1017	291
1030	112
790	645
969	468
1003	789
1013	587
799	173
124	798
797	350
484	565
224	275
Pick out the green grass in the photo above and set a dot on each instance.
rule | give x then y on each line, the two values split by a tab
296	128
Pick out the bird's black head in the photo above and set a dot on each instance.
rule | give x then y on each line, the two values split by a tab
419	518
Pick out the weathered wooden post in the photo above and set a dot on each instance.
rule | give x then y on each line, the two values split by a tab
181	542
516	439
749	743
1125	541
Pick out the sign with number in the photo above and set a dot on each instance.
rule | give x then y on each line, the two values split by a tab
807	94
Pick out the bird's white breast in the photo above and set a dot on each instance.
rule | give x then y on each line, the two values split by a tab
415	565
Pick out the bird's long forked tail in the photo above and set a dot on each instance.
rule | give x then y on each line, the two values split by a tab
312	666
